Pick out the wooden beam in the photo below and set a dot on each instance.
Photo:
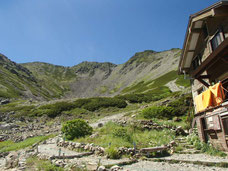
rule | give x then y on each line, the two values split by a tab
203	82
195	30
221	12
204	76
152	149
204	15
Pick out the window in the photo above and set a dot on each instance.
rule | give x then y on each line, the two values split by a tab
197	61
225	125
217	40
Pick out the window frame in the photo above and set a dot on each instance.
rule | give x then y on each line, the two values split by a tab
221	35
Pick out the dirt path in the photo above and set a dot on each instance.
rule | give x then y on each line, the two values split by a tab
107	119
173	86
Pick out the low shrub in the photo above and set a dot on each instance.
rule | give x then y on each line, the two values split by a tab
112	153
76	128
40	164
104	102
204	147
81	102
181	104
178	149
159	112
53	110
141	97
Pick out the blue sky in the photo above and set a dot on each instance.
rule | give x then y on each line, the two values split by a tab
67	32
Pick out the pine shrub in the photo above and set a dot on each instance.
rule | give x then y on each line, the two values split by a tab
76	128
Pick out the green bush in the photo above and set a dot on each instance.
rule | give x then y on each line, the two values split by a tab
112	153
159	112
76	128
181	105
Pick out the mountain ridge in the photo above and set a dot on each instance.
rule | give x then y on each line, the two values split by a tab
89	79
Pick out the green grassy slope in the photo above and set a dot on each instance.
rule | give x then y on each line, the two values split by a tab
17	81
157	85
56	79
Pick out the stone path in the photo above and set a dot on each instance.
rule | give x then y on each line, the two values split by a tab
53	150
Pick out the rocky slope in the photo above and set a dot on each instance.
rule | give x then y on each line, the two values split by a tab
87	79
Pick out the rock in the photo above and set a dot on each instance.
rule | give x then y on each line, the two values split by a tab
78	145
94	135
176	119
87	147
115	168
179	131
8	126
102	150
11	160
4	101
4	137
172	143
101	168
92	166
60	163
100	125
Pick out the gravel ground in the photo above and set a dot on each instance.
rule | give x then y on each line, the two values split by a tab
95	159
162	166
197	157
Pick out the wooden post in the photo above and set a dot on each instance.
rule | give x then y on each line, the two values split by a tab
134	144
59	151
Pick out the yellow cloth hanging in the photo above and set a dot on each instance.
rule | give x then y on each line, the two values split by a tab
207	98
218	94
213	96
199	103
203	100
